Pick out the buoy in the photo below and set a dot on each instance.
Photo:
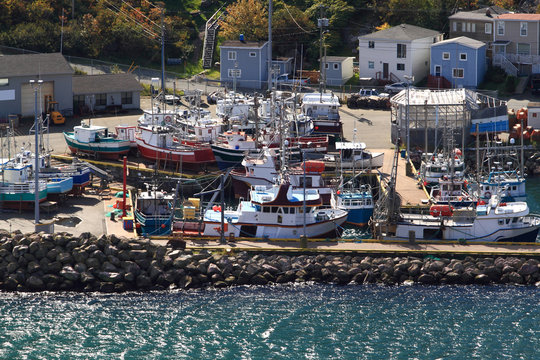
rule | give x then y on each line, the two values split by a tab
440	210
168	118
163	226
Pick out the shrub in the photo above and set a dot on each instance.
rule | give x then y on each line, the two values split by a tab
510	84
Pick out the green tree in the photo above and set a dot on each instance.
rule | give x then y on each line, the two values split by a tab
247	17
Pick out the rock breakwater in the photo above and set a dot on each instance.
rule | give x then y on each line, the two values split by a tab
38	262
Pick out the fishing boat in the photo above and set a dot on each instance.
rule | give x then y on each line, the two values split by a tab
17	188
127	132
358	202
435	166
264	170
323	110
160	144
494	221
453	191
231	147
96	140
272	212
154	212
354	155
509	183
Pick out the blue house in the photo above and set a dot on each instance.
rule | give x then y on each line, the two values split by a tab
461	60
247	61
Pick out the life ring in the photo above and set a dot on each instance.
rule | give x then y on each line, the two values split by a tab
168	118
488	194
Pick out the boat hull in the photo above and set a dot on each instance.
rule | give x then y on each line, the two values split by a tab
152	225
104	149
228	158
191	156
359	217
21	201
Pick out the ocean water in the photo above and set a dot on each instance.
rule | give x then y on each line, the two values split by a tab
281	322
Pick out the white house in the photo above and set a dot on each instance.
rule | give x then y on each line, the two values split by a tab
338	69
394	53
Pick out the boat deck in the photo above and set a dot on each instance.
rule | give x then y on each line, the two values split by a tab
406	186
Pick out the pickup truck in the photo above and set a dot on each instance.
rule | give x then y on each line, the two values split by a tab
284	79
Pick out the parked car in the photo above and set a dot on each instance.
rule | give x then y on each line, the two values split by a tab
372	92
535	84
397	87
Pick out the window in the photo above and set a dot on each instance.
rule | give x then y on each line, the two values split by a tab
231	55
336	66
437	70
463	56
524	49
463	27
371	64
101	99
500	27
371	44
252	54
233	72
454	26
78	103
473	27
457	73
446	56
523	29
401	67
127	98
326	65
468	27
487	28
401	51
4	82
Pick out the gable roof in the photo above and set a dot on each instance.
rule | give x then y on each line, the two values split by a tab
338	58
522	17
480	14
462	40
242	44
401	32
105	83
34	65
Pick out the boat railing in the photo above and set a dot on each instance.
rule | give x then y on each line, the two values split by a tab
21	188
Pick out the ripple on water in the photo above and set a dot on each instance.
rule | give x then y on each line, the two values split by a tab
307	321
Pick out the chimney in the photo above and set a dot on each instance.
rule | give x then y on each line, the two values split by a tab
488	13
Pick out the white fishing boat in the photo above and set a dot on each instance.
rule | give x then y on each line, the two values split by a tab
323	110
96	140
263	170
494	221
275	212
354	155
435	166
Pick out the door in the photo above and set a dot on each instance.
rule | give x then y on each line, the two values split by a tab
437	70
28	100
385	70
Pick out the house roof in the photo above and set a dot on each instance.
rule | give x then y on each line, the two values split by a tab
338	58
480	14
529	17
462	40
34	65
241	44
401	32
106	83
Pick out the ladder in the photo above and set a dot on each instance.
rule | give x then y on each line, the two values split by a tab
210	37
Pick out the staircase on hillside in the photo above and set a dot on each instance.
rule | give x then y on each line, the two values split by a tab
505	64
210	38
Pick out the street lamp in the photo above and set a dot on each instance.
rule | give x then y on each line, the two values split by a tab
37	87
409	79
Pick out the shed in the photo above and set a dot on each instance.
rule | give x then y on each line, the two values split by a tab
338	69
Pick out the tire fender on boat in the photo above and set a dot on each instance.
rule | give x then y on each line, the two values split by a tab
168	119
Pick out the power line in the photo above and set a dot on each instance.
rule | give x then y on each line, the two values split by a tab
293	19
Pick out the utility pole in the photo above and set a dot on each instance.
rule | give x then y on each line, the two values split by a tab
269	44
163	53
322	22
37	87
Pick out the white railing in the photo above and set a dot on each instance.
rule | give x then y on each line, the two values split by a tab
21	188
523	59
505	64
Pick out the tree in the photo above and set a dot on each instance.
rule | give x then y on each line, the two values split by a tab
247	17
291	25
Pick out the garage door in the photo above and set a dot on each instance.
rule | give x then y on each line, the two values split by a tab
27	97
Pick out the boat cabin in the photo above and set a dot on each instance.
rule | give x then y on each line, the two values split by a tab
317	105
90	133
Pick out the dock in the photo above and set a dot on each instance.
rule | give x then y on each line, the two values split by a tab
362	247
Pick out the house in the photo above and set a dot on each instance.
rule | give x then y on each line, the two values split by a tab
100	92
476	24
17	93
338	69
284	64
533	114
516	48
461	60
244	61
394	54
